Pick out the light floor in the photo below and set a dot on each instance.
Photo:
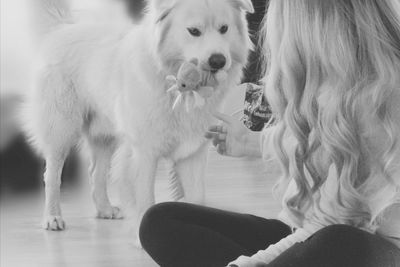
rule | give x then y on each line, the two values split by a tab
235	184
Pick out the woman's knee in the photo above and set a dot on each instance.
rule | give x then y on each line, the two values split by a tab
154	220
339	235
337	231
350	239
353	245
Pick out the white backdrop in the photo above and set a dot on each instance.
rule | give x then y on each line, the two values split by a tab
17	47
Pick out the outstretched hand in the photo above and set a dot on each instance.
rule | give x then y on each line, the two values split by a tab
230	138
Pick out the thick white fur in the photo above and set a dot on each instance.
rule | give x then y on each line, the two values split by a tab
106	84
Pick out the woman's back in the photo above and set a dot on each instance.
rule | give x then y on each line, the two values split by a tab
334	82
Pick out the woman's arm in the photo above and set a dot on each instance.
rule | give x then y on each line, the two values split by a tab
253	144
264	257
233	139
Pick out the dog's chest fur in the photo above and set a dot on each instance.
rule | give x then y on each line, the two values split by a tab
187	135
179	133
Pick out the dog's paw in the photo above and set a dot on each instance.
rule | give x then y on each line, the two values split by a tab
53	223
112	213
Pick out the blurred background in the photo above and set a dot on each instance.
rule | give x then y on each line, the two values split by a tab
88	241
20	168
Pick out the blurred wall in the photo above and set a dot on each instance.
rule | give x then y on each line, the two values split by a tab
16	48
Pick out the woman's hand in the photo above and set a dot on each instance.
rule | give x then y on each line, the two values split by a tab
233	139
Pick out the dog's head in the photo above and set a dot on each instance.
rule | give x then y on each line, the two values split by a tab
213	31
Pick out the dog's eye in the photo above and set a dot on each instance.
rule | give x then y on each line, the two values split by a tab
223	29
194	32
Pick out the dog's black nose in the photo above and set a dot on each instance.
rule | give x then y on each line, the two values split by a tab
217	61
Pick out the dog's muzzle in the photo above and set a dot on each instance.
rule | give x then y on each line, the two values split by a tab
217	62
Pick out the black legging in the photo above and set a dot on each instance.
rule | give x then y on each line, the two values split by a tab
185	235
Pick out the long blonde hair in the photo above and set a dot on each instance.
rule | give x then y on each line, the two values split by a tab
325	58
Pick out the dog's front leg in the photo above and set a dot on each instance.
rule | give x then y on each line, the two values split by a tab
102	152
52	179
191	172
146	166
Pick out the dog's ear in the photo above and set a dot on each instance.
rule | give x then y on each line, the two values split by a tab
245	5
161	8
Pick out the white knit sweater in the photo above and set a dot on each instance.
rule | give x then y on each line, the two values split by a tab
389	228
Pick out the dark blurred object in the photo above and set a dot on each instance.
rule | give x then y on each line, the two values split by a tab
21	170
136	8
9	126
254	70
256	110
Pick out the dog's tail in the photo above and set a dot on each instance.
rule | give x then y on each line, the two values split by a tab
50	14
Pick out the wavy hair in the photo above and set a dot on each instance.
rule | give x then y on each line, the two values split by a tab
332	68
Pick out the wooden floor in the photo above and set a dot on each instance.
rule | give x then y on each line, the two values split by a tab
234	184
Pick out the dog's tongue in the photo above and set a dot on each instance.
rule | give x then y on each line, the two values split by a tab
207	79
213	79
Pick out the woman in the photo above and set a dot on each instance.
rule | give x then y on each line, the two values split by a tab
334	83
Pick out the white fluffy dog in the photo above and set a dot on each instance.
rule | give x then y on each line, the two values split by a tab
107	85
